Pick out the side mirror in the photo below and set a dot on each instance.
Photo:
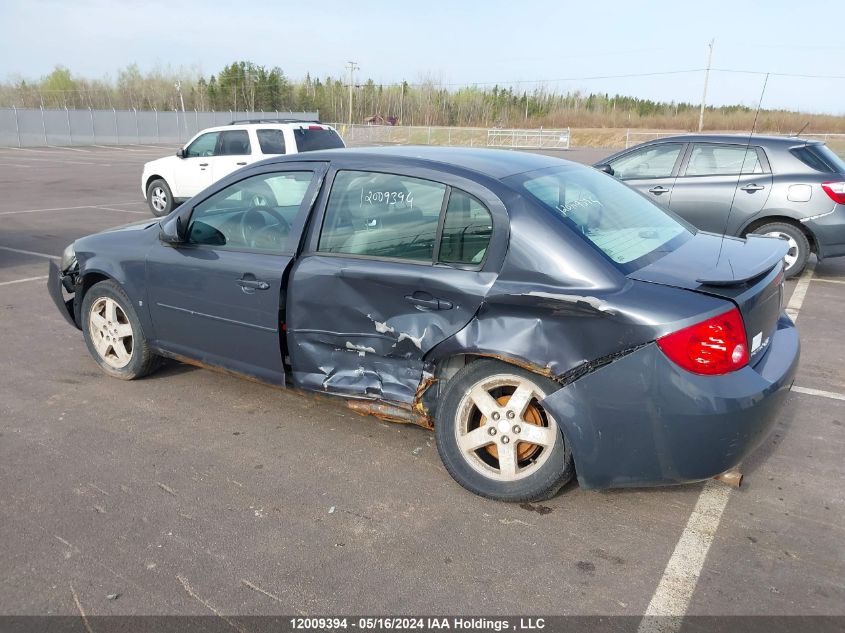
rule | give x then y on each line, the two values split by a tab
605	168
181	152
172	230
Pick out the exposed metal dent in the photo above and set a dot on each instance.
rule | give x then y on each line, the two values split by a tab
593	302
391	412
361	349
416	340
816	217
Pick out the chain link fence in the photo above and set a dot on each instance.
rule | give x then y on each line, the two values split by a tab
33	127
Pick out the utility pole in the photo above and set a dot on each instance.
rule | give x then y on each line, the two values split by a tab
352	67
706	79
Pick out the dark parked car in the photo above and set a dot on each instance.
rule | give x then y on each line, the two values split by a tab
541	316
786	187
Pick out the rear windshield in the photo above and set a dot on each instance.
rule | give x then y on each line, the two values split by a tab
616	220
309	139
820	157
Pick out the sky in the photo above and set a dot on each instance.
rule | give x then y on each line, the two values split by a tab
557	44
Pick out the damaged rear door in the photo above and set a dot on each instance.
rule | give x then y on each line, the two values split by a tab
395	265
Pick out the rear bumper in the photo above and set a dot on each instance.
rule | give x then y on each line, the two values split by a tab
55	281
643	421
829	231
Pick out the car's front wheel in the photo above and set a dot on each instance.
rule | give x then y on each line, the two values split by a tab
495	438
799	246
113	333
159	198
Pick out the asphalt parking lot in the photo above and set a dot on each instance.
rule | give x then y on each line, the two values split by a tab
193	492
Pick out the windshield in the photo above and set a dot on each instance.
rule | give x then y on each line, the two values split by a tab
616	220
312	138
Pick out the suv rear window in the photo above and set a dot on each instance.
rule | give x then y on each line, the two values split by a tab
629	229
820	157
312	138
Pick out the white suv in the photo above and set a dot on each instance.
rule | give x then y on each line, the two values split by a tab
218	151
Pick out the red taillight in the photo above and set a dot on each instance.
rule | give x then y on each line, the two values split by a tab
835	190
712	347
316	127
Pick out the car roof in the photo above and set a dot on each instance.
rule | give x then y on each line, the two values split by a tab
756	139
263	126
496	163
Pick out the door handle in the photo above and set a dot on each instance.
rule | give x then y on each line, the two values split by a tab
253	284
425	300
241	163
658	190
752	188
203	164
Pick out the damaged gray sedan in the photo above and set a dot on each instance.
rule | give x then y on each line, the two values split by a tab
546	320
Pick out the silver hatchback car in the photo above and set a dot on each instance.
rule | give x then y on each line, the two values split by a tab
785	186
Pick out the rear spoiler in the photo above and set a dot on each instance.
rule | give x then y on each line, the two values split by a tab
760	255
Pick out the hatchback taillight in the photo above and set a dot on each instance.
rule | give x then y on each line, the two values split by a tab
835	190
712	347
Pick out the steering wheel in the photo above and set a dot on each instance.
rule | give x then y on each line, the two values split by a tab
252	222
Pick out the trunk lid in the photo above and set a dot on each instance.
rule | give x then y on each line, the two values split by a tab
749	273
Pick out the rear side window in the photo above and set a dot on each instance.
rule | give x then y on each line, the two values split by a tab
233	143
382	215
315	137
654	161
819	157
271	141
629	229
708	159
467	228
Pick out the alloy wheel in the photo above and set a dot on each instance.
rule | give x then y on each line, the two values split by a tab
111	332
501	429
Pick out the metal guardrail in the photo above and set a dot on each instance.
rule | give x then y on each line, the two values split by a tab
357	134
529	139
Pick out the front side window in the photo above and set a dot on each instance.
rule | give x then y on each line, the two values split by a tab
723	160
202	146
233	143
467	229
654	161
254	214
271	141
629	229
382	215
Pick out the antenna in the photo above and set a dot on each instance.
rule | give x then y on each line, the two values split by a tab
741	167
802	129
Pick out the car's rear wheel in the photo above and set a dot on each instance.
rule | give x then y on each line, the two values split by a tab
159	198
113	333
799	246
495	438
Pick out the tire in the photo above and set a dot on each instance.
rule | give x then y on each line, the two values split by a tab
536	471
113	333
799	245
159	198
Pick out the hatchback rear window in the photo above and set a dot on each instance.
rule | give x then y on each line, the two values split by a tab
820	157
618	221
313	138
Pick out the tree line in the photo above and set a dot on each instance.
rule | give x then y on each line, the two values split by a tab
244	85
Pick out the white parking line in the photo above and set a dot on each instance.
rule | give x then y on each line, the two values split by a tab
23	252
20	281
818	392
671	599
831	281
70	149
121	210
85	206
797	298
